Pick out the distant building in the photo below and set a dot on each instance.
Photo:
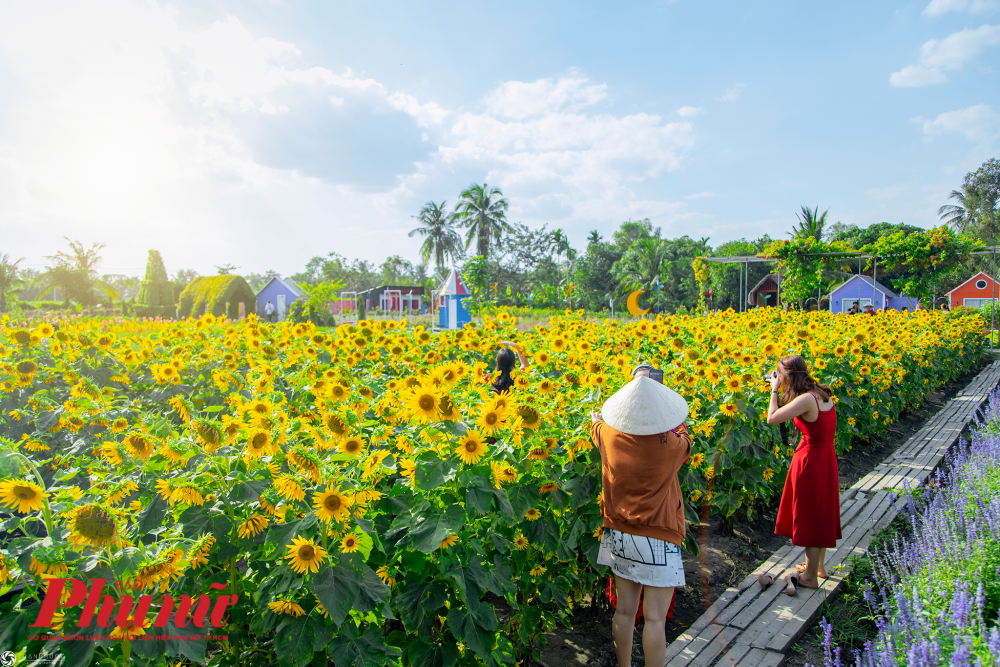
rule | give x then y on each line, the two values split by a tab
450	298
282	293
974	292
393	298
765	292
868	292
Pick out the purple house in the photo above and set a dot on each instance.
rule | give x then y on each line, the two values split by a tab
868	292
282	293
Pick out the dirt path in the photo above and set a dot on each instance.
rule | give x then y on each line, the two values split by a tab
732	552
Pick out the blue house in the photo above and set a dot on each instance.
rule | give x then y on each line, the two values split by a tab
282	293
868	292
450	301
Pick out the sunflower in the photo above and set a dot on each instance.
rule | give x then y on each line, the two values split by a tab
289	487
728	409
387	579
333	505
529	416
22	495
187	493
353	446
521	542
259	443
447	409
538	454
548	487
538	570
424	405
449	542
286	607
92	525
119	425
349	544
489	420
734	384
336	425
471	447
138	446
304	555
130	629
532	514
252	526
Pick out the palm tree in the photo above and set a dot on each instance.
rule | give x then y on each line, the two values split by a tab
811	224
76	270
483	210
963	216
8	277
642	265
81	259
438	230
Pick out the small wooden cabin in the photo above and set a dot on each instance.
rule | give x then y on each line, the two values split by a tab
974	292
765	293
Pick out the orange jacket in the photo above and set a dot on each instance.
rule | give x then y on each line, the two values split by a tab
641	492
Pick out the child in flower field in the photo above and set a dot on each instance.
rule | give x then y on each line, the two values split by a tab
505	364
809	513
643	443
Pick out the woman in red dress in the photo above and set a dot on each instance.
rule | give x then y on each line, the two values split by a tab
810	505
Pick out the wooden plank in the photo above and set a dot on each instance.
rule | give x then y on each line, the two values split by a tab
847	514
734	654
696	646
760	658
712	651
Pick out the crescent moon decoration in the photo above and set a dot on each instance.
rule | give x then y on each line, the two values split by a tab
633	303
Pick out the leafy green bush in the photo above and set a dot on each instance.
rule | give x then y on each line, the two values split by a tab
157	297
213	294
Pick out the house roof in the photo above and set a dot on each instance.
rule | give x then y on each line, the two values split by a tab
287	283
981	273
453	285
868	281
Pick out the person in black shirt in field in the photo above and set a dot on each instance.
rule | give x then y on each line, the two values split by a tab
505	364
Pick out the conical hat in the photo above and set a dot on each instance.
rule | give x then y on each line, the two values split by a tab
644	407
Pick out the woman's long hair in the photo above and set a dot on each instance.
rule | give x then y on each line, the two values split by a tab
797	381
505	364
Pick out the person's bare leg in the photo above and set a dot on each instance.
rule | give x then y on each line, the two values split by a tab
655	605
814	561
623	623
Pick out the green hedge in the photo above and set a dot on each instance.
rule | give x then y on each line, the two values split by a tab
211	294
45	305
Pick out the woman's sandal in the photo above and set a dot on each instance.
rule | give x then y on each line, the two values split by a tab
801	567
765	580
793	582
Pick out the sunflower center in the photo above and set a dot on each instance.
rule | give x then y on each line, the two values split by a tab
332	503
471	446
95	524
426	402
352	446
491	418
306	552
259	441
25	492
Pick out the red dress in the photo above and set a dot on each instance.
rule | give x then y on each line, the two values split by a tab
810	505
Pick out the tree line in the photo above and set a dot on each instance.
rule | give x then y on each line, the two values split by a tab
510	263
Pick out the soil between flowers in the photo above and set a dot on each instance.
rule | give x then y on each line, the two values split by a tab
733	551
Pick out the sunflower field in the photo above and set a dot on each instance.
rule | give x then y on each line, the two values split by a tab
360	495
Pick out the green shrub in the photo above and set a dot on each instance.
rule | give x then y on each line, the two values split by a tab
157	297
43	305
211	294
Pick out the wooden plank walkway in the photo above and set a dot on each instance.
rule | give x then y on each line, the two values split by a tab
748	626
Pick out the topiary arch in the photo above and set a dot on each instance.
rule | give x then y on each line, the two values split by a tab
219	295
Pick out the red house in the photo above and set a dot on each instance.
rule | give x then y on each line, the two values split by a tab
974	292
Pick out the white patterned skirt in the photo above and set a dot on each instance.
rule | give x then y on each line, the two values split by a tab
645	560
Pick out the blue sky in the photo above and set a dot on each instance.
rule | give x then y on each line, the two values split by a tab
262	133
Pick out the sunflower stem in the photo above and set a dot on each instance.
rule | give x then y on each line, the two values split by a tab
126	652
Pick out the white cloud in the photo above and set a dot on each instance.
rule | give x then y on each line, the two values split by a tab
950	53
425	114
938	7
690	112
975	123
732	93
702	195
520	99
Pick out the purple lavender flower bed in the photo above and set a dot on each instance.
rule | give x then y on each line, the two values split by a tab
935	595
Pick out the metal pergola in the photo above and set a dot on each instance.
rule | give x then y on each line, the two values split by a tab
746	260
